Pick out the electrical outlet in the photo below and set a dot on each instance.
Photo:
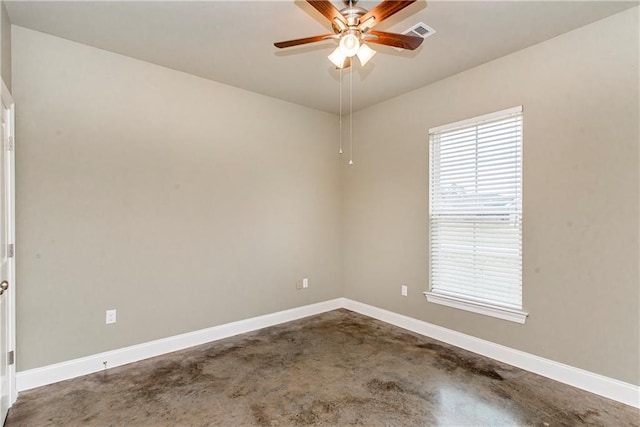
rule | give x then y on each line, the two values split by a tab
305	282
111	316
403	290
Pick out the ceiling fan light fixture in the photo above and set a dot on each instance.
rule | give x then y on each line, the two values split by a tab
349	44
365	53
337	58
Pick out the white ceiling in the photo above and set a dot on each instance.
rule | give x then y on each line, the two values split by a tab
232	41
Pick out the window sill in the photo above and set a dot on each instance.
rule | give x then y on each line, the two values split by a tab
478	307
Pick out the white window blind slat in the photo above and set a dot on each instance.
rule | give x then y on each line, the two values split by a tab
505	271
476	178
474	129
494	284
476	210
490	164
452	249
479	141
445	236
466	158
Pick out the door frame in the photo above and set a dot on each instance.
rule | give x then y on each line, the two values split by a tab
7	100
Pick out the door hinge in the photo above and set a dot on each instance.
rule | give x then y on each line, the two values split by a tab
11	250
11	358
9	145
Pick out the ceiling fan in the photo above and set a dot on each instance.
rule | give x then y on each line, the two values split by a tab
352	27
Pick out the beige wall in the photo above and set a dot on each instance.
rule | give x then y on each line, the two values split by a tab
181	202
5	45
581	138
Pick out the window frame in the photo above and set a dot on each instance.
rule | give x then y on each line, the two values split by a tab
470	304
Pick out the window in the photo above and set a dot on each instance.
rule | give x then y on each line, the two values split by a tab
475	218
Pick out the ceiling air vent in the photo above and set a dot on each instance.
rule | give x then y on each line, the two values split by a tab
419	30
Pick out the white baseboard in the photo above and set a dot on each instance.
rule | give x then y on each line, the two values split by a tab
607	387
620	391
49	374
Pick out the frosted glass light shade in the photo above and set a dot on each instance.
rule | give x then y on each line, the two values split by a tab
337	58
349	45
365	53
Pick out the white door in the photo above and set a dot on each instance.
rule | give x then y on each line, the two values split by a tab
7	260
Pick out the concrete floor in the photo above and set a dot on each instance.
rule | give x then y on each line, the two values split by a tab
337	368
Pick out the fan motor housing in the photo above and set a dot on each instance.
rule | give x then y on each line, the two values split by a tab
353	14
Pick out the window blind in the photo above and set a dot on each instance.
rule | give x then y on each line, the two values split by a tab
475	219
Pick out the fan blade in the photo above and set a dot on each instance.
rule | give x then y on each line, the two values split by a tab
402	41
328	10
306	40
384	10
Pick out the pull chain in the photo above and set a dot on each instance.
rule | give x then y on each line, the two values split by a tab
351	114
340	117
